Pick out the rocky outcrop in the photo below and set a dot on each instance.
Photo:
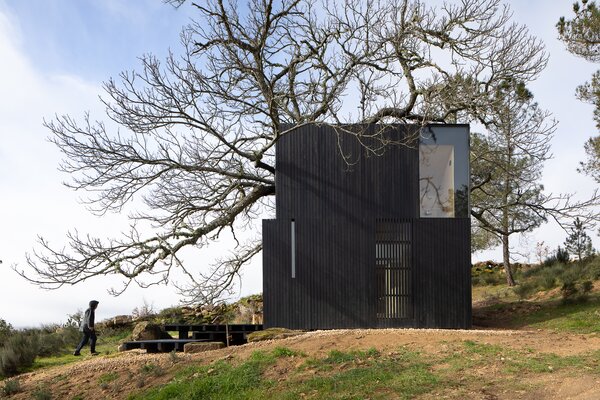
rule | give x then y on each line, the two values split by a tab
200	347
148	331
119	321
248	310
272	333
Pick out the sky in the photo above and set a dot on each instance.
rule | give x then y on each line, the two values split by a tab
54	56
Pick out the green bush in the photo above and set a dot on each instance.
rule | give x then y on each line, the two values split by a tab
586	287
548	277
54	340
569	291
525	289
56	343
550	261
5	330
593	268
570	275
529	272
42	393
476	280
490	278
560	256
19	352
11	386
172	315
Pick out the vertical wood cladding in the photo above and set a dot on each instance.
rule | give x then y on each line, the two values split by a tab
338	209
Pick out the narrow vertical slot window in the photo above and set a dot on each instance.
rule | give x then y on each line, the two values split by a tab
293	240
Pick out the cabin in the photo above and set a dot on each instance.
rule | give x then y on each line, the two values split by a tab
367	236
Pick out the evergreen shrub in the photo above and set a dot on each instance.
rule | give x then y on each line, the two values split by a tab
18	352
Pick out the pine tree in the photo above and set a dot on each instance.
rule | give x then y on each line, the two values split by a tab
507	163
578	242
581	35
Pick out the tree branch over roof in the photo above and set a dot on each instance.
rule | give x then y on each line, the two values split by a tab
194	150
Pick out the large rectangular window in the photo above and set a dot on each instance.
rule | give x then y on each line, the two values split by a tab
444	172
436	180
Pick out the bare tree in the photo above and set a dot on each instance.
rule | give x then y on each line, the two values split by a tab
199	130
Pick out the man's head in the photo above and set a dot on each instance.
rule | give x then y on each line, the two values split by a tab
94	304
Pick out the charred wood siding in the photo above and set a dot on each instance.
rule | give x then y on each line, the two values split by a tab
443	285
337	206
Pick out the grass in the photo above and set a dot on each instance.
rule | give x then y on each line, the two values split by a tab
458	368
493	292
559	311
108	377
42	393
106	345
582	317
220	380
341	375
551	314
519	361
364	374
10	387
369	373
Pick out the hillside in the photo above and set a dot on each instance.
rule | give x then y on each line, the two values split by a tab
540	340
392	363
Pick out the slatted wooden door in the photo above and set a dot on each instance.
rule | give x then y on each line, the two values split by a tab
393	270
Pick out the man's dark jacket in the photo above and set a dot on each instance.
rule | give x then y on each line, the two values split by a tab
87	323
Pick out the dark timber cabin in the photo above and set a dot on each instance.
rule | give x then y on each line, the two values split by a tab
372	241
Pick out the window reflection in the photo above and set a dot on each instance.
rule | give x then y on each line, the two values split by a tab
444	172
436	180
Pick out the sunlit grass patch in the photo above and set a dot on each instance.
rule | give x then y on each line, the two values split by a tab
583	317
365	374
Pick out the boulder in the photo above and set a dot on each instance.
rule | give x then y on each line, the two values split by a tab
272	333
200	347
148	331
257	318
118	321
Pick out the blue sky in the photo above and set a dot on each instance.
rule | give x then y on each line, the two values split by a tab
54	55
90	38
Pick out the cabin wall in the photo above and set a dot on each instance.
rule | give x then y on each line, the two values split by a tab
337	207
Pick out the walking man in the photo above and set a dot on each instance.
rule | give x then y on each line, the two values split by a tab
87	327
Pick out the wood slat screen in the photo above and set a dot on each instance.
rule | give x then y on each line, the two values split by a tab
393	248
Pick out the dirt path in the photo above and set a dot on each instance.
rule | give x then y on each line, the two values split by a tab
133	370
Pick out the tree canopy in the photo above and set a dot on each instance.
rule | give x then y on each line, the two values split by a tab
198	130
578	242
507	164
581	34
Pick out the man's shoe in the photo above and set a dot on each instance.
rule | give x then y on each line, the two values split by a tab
95	353
77	353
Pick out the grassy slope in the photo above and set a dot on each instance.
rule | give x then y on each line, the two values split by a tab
403	373
105	345
406	373
461	368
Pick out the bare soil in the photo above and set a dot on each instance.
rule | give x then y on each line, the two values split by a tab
127	374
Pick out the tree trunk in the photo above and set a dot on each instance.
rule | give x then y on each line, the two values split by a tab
506	261
505	218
